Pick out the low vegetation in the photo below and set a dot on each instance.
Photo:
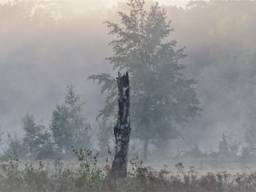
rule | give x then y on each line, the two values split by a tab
87	175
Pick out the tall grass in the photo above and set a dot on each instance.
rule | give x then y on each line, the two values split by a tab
87	176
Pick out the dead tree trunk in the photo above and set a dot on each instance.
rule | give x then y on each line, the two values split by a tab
122	129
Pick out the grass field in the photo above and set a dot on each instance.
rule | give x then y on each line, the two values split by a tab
86	175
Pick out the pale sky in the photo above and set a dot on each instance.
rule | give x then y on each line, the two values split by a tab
109	3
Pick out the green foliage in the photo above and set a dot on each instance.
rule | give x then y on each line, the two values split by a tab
68	129
68	125
15	150
162	98
37	140
36	143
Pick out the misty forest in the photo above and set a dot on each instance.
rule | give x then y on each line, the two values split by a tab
140	96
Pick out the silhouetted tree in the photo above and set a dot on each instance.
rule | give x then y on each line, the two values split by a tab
122	130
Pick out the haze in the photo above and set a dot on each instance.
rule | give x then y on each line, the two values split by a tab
39	57
107	3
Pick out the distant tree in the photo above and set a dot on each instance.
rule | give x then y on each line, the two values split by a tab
37	140
194	152
105	135
250	135
250	131
223	146
69	127
162	98
1	136
15	150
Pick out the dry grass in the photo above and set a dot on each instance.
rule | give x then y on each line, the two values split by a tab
86	176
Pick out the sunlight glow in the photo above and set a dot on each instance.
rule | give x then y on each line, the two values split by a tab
107	3
91	8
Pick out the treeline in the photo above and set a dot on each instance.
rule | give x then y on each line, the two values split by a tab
68	132
163	98
48	48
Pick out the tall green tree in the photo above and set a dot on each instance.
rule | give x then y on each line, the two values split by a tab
162	98
69	126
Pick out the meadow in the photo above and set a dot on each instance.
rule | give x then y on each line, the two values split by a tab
87	175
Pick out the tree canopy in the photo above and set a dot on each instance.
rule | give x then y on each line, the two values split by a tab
162	98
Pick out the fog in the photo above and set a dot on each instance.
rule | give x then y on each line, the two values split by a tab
45	47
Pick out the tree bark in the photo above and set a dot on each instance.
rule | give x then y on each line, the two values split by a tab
122	129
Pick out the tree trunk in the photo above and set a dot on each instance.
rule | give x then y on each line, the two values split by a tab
145	149
122	129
